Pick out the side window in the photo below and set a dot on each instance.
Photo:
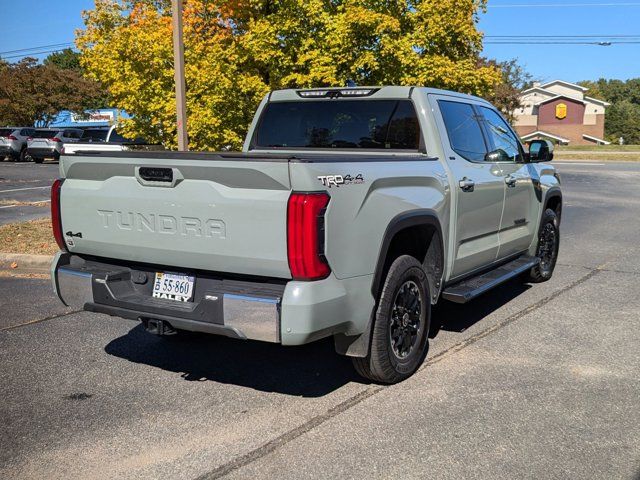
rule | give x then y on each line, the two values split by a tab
463	128
404	129
501	136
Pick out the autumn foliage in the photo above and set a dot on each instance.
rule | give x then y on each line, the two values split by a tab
237	51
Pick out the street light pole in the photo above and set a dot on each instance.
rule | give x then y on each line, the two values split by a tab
178	60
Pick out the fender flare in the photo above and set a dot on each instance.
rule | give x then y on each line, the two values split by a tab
553	192
404	220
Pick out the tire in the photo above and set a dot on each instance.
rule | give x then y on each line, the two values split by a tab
391	360
24	156
548	247
38	160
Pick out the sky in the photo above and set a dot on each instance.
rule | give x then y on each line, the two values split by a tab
46	22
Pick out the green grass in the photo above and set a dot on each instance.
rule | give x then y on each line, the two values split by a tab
599	148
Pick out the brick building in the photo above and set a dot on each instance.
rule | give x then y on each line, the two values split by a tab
561	112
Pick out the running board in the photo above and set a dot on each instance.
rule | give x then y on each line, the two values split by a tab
473	287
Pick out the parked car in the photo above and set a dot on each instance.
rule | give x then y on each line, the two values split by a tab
107	139
13	142
49	142
349	213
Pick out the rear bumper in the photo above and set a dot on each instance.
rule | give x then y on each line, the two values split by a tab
43	153
8	150
290	313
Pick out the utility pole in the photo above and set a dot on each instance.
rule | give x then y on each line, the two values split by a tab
178	61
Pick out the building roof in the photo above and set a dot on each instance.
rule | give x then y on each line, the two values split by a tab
595	100
540	133
566	84
596	139
568	97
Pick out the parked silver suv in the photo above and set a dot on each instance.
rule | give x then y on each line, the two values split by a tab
49	142
13	142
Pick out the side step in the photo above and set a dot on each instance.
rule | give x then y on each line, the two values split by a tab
473	287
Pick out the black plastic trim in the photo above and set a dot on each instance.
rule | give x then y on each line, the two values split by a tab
400	222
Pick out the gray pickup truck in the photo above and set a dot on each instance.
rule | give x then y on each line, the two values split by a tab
349	213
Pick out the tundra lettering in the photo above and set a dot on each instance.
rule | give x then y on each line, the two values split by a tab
166	224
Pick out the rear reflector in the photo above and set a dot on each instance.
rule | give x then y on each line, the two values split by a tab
56	219
305	235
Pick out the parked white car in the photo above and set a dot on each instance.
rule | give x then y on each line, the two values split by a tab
13	142
49	142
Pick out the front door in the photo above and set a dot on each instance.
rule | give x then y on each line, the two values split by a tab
478	186
518	224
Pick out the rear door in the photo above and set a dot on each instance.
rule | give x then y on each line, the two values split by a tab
478	186
518	224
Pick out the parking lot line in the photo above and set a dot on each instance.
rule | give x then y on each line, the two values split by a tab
19	205
23	189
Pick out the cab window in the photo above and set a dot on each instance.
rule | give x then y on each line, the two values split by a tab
464	130
501	136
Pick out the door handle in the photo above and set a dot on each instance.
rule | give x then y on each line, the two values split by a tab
510	181
466	184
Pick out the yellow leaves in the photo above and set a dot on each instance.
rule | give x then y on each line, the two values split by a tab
236	51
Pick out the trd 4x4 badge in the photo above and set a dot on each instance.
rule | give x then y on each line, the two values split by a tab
337	180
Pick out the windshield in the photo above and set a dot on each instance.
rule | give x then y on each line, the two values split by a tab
44	134
94	135
370	124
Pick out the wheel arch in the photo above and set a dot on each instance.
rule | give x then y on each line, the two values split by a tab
553	200
412	233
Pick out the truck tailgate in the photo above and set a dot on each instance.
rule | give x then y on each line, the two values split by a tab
194	212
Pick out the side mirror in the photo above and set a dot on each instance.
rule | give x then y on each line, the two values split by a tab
540	151
498	155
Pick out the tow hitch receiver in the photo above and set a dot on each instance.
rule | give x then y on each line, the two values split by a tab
157	327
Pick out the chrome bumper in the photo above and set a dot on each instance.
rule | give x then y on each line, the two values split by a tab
246	316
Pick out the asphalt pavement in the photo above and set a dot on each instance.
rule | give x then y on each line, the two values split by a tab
25	190
529	381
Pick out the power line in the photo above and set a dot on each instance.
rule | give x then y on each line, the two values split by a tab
38	48
33	53
602	44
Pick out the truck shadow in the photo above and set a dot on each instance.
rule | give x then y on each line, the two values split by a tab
312	370
453	317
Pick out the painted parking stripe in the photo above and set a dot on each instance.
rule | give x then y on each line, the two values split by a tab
18	205
23	189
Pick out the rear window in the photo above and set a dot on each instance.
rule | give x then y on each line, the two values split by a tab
5	132
370	124
117	138
44	133
94	135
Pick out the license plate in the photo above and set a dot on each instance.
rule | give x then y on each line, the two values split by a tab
173	286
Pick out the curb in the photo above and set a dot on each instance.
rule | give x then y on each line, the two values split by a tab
24	263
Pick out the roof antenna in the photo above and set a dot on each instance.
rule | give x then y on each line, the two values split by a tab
351	84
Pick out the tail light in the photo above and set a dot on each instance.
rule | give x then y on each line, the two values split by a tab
12	137
56	219
56	139
305	235
29	139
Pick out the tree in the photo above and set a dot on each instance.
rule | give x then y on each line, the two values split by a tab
33	94
514	80
623	116
235	52
66	59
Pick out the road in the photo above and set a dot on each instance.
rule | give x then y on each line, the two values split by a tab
526	382
25	190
